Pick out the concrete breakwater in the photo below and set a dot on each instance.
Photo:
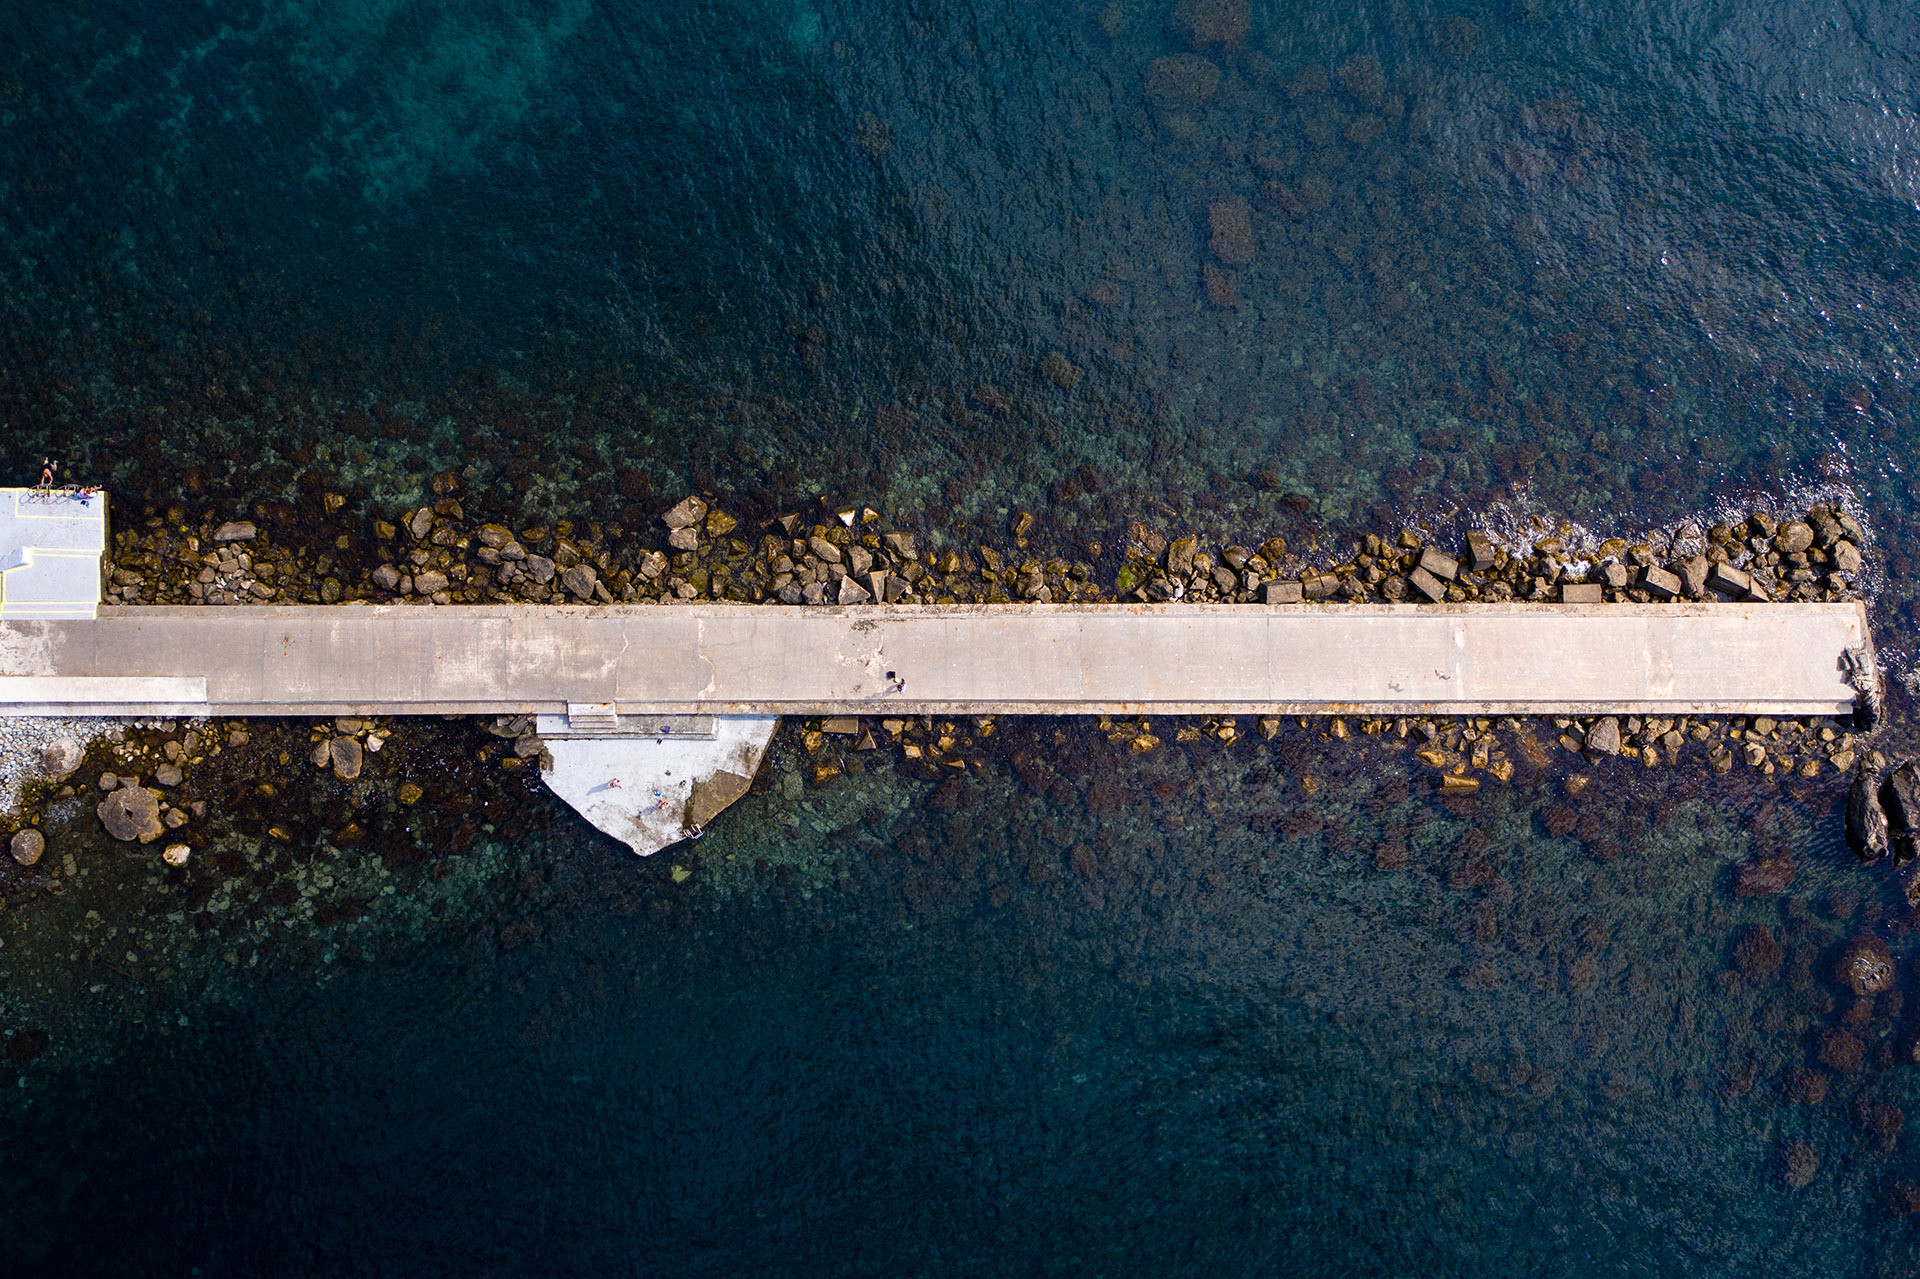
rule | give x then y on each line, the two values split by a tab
902	636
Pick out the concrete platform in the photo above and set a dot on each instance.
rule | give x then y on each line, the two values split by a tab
51	541
718	659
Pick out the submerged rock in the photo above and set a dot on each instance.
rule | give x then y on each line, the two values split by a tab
28	845
1230	224
1764	877
1802	1162
1181	80
1758	955
1866	966
131	813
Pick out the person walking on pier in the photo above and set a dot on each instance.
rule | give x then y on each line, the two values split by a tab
47	467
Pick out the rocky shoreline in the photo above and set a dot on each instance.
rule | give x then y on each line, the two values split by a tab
439	555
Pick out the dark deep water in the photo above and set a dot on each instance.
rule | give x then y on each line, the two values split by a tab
1615	263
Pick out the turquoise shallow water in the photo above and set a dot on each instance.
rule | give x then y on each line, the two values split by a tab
1123	1014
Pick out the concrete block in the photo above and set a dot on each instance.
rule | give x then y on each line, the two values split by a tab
1581	593
1280	593
1480	551
1660	583
1729	580
1439	563
1427	584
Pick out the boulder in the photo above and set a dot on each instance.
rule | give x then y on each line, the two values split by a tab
851	592
1615	575
167	775
236	531
540	569
685	514
580	580
176	854
1846	558
62	757
430	582
901	545
493	536
131	813
1604	737
387	577
1180	553
28	845
420	523
1866	966
685	539
1901	796
823	550
1867	832
345	755
1792	538
858	559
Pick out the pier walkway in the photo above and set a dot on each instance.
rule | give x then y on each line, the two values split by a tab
717	659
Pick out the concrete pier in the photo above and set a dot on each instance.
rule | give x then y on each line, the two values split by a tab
719	659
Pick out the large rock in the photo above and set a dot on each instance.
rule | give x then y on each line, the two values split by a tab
1793	537
1866	966
62	757
1230	223
1901	796
1604	737
346	756
1867	832
236	531
579	581
131	813
688	512
1180	553
430	582
1846	558
387	577
28	845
